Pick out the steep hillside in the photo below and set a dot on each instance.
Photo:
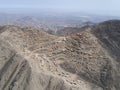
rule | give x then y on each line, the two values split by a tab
14	69
109	34
82	61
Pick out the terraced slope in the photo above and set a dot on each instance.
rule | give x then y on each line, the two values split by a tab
77	62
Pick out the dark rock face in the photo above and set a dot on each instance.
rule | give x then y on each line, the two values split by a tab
108	34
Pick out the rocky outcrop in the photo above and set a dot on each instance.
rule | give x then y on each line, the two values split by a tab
90	61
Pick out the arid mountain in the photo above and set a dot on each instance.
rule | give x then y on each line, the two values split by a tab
31	59
51	22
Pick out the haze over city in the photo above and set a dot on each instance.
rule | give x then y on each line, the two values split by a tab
101	7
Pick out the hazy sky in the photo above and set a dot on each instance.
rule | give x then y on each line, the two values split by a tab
104	7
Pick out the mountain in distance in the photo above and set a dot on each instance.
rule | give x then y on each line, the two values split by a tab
52	22
31	59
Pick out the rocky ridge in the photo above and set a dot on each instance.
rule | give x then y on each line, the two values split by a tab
47	62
